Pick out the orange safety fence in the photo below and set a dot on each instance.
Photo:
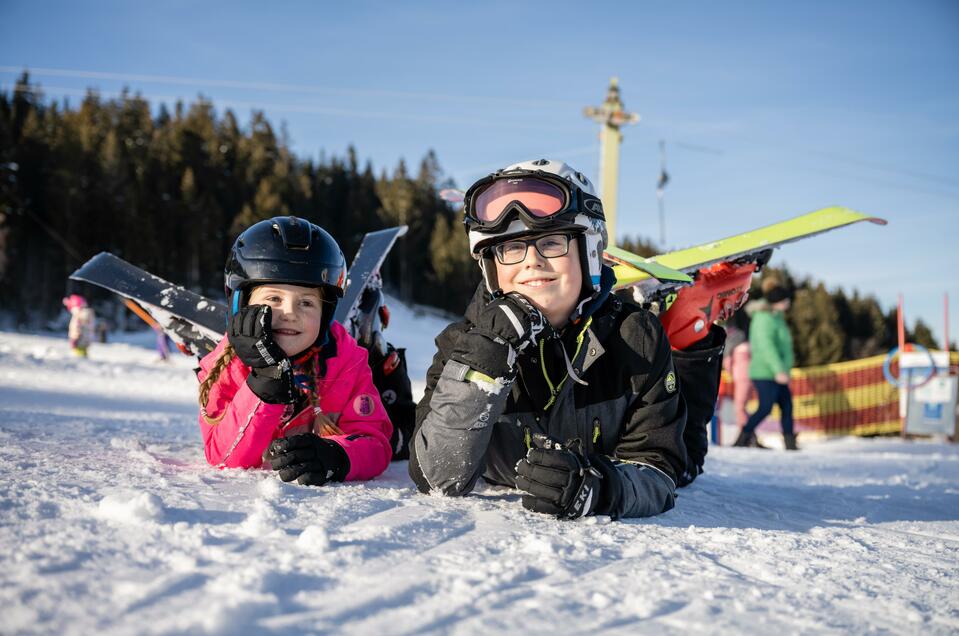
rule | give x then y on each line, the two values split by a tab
844	398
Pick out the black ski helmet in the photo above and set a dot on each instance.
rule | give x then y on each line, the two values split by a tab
286	250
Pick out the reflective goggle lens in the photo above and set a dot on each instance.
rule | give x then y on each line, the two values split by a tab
540	197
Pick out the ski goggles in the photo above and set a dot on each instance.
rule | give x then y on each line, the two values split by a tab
540	199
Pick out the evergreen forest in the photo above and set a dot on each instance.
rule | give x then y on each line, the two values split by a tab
169	190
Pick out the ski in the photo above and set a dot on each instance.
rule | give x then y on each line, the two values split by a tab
364	272
194	322
743	247
624	261
722	272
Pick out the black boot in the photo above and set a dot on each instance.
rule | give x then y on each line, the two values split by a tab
744	439
790	442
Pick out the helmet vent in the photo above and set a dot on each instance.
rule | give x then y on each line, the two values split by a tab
541	162
295	235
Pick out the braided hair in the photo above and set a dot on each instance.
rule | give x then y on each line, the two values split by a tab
221	363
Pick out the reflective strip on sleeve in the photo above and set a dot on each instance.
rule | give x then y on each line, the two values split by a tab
239	435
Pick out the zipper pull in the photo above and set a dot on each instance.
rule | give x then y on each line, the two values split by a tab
527	437
595	430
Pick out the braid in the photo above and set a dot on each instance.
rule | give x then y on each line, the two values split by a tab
322	424
225	357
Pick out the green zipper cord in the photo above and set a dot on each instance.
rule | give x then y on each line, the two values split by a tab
554	391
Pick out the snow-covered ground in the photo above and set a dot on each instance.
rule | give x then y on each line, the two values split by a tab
111	523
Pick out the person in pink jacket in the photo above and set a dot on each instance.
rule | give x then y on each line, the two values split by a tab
288	387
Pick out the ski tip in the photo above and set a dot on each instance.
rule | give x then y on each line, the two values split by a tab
860	216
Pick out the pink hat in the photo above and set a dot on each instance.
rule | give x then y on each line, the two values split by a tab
73	301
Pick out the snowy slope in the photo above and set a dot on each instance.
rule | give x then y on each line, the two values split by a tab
110	522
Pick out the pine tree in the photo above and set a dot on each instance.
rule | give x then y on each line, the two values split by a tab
455	270
397	196
639	246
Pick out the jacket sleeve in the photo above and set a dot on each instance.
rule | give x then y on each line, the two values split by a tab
454	422
247	426
650	453
362	417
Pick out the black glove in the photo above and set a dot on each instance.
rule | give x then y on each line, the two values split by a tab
309	459
689	475
251	335
699	367
504	328
562	481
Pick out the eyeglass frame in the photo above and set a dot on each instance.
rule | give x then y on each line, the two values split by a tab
526	243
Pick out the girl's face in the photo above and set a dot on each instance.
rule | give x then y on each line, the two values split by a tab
553	285
297	312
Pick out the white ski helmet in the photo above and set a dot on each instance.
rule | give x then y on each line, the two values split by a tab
530	198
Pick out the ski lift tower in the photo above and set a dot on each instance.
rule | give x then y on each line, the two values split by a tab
611	116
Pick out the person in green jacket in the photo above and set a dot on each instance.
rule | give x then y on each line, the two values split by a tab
772	358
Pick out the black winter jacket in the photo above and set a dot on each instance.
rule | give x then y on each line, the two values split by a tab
631	410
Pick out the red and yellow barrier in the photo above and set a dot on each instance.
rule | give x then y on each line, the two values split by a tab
844	398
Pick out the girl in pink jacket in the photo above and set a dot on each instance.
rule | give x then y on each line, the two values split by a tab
288	387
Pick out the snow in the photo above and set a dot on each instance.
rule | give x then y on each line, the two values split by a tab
111	522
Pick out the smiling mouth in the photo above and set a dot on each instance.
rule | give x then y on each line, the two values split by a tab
537	282
286	332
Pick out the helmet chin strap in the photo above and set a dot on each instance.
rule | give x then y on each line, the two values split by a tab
596	298
236	302
488	267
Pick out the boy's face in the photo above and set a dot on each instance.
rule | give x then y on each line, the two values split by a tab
553	285
297	312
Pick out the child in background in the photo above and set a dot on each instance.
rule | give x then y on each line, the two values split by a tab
82	323
288	386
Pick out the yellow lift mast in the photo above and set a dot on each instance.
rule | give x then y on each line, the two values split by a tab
611	116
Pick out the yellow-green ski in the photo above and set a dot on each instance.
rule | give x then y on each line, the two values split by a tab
689	260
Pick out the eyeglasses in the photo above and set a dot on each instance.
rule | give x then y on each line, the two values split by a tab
542	200
549	246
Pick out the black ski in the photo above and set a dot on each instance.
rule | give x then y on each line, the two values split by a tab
193	321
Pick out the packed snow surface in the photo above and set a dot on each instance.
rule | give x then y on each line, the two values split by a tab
112	523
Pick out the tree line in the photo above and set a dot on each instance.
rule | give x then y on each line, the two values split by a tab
170	190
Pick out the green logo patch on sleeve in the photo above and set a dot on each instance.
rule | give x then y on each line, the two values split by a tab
670	382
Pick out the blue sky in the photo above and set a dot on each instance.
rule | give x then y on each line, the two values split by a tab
768	109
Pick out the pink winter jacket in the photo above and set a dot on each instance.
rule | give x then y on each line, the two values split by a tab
346	394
